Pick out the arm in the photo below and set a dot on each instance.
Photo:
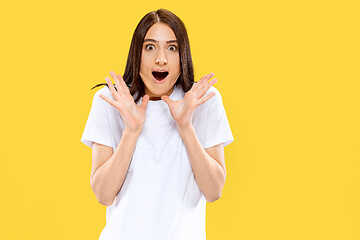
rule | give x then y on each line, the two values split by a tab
109	169
208	165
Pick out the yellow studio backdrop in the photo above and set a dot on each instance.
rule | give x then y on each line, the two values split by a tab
288	73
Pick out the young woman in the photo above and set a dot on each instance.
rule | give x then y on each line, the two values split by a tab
157	139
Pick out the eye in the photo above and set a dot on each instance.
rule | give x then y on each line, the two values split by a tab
149	47
172	48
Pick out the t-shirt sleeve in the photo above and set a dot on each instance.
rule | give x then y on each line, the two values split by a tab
97	127
217	125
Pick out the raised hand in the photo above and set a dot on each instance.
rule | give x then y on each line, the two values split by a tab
182	110
132	114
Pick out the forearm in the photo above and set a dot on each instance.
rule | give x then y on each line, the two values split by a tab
108	179
208	173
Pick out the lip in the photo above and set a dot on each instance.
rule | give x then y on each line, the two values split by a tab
160	70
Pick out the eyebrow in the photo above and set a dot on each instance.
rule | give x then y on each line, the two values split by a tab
155	41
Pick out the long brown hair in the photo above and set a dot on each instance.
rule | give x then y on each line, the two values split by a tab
131	75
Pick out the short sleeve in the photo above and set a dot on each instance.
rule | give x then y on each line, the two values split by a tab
217	125
97	128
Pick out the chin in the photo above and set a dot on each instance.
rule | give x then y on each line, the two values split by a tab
159	93
159	90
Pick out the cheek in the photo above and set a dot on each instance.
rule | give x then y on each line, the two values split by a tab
143	65
174	59
145	62
176	62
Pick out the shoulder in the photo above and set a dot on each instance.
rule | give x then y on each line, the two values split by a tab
215	90
104	91
210	90
99	104
97	100
212	104
216	99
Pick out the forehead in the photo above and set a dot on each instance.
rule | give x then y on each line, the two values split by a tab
160	32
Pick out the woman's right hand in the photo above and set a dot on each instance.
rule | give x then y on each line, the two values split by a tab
132	114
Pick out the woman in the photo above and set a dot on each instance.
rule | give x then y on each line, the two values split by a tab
157	138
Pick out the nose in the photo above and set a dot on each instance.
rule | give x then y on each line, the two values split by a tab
161	58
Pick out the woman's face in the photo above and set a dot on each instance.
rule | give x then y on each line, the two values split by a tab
160	61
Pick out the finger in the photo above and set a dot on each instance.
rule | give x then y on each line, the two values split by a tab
207	97
109	100
114	93
122	81
203	80
144	101
209	76
166	99
197	84
205	88
118	85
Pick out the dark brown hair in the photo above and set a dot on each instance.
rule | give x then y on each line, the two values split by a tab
131	75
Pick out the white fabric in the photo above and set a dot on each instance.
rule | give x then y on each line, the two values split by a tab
159	199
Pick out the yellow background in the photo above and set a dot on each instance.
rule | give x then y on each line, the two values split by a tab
288	72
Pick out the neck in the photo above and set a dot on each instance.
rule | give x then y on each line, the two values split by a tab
157	98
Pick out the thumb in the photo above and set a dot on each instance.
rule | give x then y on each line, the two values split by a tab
144	101
166	99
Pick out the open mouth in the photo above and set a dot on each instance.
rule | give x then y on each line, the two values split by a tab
160	75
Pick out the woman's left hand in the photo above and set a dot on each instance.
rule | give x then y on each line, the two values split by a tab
182	110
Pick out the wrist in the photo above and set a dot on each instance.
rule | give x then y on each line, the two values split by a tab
185	127
132	132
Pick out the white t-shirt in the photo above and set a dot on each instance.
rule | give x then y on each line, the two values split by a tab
159	199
